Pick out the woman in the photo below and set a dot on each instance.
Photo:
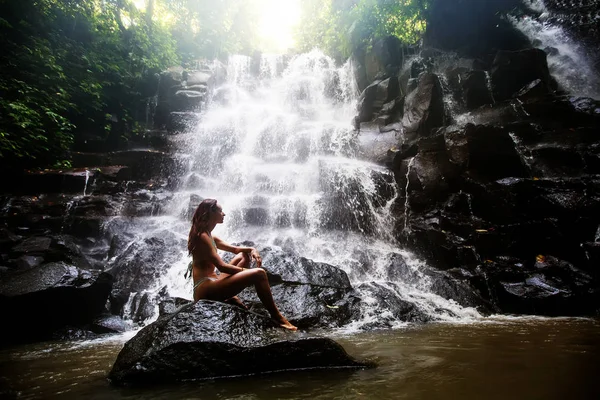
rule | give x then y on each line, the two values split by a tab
234	277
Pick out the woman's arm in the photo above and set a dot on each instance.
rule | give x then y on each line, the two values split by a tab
206	247
222	245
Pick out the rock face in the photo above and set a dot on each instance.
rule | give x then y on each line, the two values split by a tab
43	299
308	293
486	201
209	339
498	167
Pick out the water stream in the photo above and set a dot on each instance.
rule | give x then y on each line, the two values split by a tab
516	358
568	59
279	154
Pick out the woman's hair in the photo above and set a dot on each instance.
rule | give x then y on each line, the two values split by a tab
200	220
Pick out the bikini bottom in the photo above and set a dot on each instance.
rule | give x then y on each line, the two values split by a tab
201	281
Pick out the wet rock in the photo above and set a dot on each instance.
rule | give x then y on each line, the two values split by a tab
386	307
27	262
72	180
169	305
475	90
181	121
52	249
140	265
70	333
564	111
512	70
493	154
534	89
109	324
143	164
198	78
423	107
187	100
308	293
57	294
375	96
550	287
141	307
117	173
210	339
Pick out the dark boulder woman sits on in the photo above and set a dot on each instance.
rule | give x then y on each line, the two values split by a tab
234	277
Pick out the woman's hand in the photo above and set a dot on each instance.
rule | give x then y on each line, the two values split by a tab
254	255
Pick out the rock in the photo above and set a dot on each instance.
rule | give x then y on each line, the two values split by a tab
423	107
41	300
308	293
199	78
209	339
512	70
169	305
109	324
475	90
181	122
534	89
139	266
493	153
386	307
187	100
375	96
143	164
117	173
384	59
52	249
70	333
551	287
73	180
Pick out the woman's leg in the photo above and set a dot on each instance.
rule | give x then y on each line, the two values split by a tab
228	287
241	260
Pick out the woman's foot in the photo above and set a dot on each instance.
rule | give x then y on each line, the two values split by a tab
285	324
236	302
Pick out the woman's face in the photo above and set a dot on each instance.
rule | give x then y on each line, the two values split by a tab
218	215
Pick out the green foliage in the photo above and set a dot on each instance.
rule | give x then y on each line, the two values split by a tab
66	64
74	69
341	26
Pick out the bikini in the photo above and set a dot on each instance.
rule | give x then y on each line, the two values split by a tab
191	266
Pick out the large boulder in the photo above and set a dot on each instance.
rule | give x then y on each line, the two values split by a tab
476	89
550	286
308	293
43	299
512	70
138	268
36	250
375	96
209	339
424	107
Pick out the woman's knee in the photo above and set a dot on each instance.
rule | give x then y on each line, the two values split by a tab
259	274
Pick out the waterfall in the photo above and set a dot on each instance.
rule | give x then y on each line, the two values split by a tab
568	59
276	148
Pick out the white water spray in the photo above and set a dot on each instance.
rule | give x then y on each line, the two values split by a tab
567	58
276	148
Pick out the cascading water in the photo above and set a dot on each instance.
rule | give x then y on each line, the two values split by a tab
278	153
568	60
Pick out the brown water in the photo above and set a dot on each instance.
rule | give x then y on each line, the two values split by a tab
495	359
